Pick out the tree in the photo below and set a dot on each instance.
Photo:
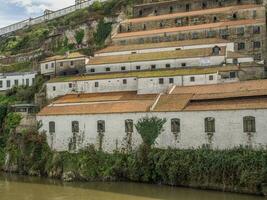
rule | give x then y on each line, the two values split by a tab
79	35
103	31
150	128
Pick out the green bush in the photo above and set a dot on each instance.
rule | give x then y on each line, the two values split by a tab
103	31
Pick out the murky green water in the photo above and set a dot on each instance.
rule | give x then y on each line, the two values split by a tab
25	188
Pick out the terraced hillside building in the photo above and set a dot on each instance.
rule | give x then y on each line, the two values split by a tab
242	22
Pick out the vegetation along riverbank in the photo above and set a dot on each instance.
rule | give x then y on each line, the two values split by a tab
238	170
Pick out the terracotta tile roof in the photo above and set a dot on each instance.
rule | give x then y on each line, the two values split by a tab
99	97
150	73
242	86
194	13
230	96
63	57
152	3
120	102
189	28
119	48
189	53
246	93
172	102
231	104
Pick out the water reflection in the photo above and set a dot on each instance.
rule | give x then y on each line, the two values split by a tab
30	188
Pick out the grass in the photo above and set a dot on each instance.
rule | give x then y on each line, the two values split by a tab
16	67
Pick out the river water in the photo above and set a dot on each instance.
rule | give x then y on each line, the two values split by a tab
28	188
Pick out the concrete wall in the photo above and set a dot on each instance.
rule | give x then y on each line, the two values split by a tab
141	85
171	21
22	78
228	130
160	64
105	85
64	67
149	6
248	38
229	47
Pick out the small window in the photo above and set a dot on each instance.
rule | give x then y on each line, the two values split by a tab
192	79
33	79
52	127
124	81
16	82
161	81
128	125
235	61
232	74
52	65
75	126
71	63
54	88
216	50
256	44
234	16
1	84
214	19
100	126
61	64
240	31
195	35
183	64
153	66
140	13
175	125
8	83
249	124
70	85
209	125
96	84
161	25
241	46
256	29
211	78
123	68
257	56
168	65
144	27
171	81
171	9
27	82
138	67
108	69
46	66
92	70
211	34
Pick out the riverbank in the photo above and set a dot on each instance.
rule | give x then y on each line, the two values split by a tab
240	170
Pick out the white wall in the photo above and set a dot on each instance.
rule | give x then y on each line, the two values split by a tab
22	79
149	85
229	47
160	64
48	67
228	124
105	85
152	85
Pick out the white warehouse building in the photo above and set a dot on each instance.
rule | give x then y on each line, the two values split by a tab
9	80
221	115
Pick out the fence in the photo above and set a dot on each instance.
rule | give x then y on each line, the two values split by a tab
46	17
